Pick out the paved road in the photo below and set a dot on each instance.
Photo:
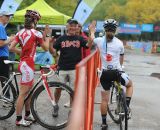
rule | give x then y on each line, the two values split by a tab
145	103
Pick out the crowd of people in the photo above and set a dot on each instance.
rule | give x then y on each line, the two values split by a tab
72	47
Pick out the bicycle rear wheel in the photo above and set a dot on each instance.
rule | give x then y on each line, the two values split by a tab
123	112
7	99
42	107
113	107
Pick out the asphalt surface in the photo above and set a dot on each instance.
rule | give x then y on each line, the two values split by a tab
144	71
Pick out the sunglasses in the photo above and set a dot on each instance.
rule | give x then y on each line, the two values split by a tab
110	30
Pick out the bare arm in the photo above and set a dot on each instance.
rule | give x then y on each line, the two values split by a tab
13	48
5	42
2	42
47	37
45	44
51	49
91	35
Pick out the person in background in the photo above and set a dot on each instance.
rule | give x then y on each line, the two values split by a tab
4	43
51	49
85	51
70	46
28	38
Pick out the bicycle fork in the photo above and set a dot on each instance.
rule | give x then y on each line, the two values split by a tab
52	98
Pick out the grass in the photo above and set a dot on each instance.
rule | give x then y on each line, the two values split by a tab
35	66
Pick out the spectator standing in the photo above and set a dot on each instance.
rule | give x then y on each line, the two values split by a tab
70	46
85	51
4	50
4	42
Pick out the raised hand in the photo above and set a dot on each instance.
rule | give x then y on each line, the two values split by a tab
47	31
92	27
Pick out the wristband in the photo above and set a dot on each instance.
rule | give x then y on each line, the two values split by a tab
48	35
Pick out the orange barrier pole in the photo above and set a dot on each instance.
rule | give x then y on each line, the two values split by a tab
78	109
89	83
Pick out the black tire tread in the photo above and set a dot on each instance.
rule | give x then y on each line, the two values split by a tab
35	95
12	110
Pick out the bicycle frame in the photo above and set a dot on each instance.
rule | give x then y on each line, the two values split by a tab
5	87
118	84
43	78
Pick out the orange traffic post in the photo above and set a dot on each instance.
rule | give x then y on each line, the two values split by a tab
85	85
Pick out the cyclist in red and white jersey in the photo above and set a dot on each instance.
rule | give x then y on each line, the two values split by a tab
28	38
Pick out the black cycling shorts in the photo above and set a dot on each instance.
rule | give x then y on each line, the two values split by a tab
4	68
108	76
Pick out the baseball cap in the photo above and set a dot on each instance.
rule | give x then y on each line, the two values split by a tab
72	21
2	13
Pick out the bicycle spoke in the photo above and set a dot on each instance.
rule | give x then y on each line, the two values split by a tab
7	98
113	106
43	109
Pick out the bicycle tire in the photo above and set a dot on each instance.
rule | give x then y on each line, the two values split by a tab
113	105
124	109
7	108
35	108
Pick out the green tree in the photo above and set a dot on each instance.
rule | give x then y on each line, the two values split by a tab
136	11
131	11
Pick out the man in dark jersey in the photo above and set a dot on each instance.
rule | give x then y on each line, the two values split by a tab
70	46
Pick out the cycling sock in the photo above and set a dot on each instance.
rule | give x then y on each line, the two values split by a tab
104	119
19	118
27	113
128	99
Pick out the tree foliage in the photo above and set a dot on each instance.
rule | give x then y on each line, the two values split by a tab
136	11
131	11
65	6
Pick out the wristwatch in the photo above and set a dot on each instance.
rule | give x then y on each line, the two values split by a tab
48	35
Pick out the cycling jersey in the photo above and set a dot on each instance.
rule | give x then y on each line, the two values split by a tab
28	40
110	52
110	57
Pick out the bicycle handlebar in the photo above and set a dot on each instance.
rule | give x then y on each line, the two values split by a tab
11	62
49	74
52	68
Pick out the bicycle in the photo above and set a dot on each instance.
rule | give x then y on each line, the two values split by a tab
117	107
42	101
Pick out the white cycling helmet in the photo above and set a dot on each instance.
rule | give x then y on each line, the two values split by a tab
110	23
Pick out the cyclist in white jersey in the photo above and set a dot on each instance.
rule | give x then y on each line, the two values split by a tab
112	55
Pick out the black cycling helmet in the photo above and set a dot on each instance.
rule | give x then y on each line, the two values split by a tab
110	23
33	14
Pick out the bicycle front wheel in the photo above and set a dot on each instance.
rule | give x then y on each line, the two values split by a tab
7	98
113	107
42	107
123	111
